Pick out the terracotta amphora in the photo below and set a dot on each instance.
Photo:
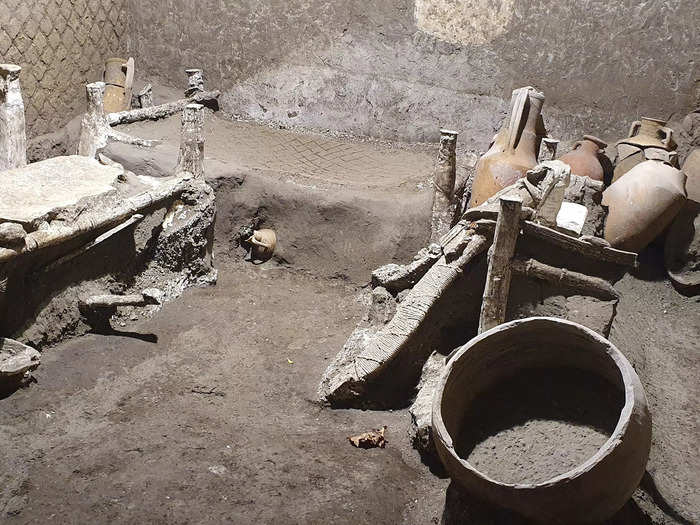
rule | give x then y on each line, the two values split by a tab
584	158
642	204
682	246
118	77
514	149
643	134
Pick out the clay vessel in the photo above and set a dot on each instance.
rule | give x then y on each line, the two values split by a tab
590	492
642	204
691	168
643	134
263	243
115	79
584	158
682	246
514	149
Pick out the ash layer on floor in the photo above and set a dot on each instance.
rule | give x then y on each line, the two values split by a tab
539	424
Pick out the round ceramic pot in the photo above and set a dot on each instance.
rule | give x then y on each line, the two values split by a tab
642	204
584	158
592	491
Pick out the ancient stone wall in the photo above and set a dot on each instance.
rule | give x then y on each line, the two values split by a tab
400	68
61	45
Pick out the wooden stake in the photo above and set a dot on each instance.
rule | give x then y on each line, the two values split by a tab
13	138
191	156
444	178
495	299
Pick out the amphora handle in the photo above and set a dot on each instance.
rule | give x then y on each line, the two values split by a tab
668	134
634	128
521	99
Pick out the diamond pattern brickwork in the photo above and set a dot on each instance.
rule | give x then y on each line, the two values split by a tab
61	45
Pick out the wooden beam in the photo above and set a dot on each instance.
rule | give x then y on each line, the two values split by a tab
206	98
579	282
563	241
577	246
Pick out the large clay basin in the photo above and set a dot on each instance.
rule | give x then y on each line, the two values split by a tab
592	491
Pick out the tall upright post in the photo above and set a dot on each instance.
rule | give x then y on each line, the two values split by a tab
191	156
195	82
444	178
94	130
13	133
498	275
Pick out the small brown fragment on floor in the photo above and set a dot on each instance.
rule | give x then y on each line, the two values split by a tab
371	439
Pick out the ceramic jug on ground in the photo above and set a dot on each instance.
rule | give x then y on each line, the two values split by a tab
643	134
514	149
642	204
584	158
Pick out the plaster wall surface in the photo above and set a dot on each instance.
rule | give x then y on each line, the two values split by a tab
61	45
399	69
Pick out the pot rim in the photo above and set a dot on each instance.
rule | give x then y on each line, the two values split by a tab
620	361
599	142
655	120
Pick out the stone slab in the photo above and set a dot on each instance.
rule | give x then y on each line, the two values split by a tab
31	192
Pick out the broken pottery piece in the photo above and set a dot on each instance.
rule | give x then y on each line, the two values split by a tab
594	490
371	439
515	147
16	358
642	204
584	158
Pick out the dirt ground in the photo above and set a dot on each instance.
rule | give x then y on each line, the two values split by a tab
217	421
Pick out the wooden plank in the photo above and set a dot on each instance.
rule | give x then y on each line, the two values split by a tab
578	246
162	110
566	242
